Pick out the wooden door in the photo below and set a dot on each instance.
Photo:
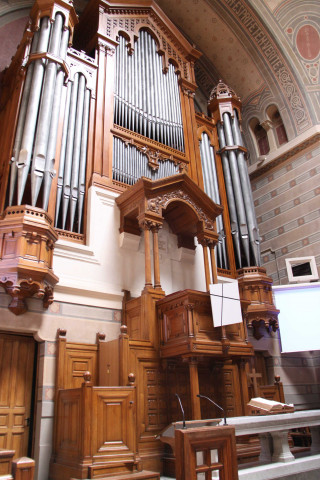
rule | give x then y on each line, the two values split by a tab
16	374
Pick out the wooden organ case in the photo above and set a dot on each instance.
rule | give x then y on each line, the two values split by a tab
122	117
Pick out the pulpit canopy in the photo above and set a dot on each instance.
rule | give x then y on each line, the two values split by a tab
176	199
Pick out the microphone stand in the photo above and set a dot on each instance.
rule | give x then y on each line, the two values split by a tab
218	406
184	422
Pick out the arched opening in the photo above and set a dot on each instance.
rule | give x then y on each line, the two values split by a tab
277	124
260	137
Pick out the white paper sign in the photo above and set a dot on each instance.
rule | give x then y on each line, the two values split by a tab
225	304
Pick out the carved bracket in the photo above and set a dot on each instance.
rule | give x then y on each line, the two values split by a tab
26	243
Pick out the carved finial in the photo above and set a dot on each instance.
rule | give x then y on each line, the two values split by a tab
62	332
101	337
277	378
123	329
131	379
87	377
222	91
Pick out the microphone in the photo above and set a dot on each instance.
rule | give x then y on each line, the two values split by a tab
184	422
218	406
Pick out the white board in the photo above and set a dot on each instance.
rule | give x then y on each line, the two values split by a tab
299	317
225	303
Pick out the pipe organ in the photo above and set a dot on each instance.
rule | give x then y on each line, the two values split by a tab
116	106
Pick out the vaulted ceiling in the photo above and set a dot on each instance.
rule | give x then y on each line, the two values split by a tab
266	50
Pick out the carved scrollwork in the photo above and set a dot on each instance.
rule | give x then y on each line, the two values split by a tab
158	203
206	241
154	157
147	224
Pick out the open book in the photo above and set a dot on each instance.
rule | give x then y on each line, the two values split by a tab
270	406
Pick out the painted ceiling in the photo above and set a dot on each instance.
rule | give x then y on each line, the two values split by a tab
236	37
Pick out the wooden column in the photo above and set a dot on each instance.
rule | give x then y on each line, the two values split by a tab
147	257
194	389
156	263
214	271
146	226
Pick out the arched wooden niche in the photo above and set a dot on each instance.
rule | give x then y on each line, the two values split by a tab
178	200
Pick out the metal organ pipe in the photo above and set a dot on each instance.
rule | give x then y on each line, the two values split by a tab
21	120
63	152
24	156
45	111
76	151
73	156
129	164
237	187
66	189
230	195
147	101
50	157
211	187
247	193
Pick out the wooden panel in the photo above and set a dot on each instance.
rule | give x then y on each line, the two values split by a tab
113	422
69	431
178	382
175	324
109	363
231	388
73	359
156	405
16	372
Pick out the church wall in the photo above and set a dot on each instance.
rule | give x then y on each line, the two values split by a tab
286	199
298	371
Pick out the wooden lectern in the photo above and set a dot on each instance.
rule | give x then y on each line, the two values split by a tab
202	447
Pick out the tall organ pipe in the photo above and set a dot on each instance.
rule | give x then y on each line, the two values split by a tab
63	152
21	120
230	195
42	133
212	189
66	190
76	151
83	157
51	150
237	187
247	193
147	101
32	110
